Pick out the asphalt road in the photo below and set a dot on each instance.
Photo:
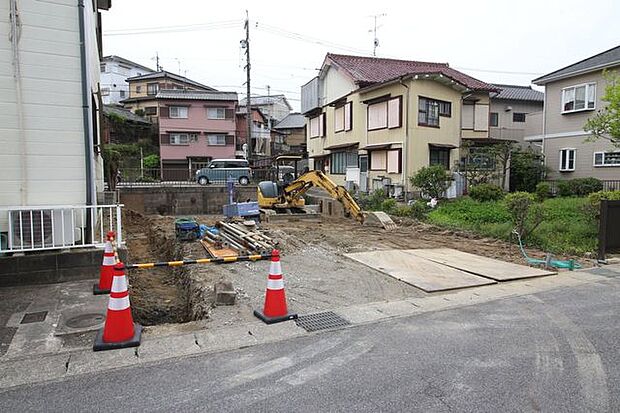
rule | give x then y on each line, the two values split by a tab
554	351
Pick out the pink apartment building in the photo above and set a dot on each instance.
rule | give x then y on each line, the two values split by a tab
194	128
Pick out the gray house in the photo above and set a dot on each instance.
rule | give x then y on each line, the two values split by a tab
572	95
515	112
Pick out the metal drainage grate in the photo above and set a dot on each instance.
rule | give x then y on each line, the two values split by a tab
321	321
34	317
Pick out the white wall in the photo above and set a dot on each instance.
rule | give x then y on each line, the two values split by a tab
42	161
114	79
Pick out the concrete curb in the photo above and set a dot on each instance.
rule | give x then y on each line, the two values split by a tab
49	367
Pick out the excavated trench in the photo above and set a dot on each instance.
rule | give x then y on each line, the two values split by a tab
158	295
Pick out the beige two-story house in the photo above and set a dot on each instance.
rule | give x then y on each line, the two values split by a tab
572	95
143	90
376	121
516	113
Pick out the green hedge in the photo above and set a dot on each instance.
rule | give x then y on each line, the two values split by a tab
486	192
567	227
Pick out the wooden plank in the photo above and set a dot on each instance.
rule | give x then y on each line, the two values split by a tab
218	252
482	266
419	272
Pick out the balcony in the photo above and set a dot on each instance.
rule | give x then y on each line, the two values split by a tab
310	96
507	133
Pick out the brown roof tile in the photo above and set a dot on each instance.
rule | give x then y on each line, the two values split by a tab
366	71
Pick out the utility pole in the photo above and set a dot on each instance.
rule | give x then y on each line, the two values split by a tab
375	41
157	66
248	106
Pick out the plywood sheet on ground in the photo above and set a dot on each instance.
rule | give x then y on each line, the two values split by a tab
419	272
476	264
218	252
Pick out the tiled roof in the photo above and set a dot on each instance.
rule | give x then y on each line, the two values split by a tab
607	58
366	71
292	121
164	74
124	113
515	92
196	95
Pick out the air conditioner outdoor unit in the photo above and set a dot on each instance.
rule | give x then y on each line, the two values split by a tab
45	228
30	229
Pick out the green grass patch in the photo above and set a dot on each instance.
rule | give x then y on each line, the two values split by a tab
566	229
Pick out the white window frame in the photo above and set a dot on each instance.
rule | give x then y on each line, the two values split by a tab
152	88
574	89
567	168
339	115
179	138
316	126
217	142
603	164
179	110
385	114
217	116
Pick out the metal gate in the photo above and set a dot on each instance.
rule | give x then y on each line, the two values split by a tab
608	231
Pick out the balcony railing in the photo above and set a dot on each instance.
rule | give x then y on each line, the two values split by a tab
38	228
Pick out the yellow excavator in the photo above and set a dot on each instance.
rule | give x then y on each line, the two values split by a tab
289	199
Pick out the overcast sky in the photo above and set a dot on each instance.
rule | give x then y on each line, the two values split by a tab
495	41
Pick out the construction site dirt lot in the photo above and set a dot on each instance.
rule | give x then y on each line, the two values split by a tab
317	275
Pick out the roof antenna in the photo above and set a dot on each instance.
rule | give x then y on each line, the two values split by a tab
375	41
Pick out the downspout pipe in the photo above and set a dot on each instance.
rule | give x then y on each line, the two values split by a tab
88	142
405	154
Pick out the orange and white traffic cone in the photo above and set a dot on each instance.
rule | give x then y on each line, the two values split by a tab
107	270
275	309
119	330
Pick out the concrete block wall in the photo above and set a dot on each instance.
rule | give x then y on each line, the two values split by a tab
182	201
52	267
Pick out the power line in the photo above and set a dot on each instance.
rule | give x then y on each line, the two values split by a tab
498	71
226	24
305	38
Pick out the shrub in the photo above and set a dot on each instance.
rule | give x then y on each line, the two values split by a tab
526	170
146	179
564	188
388	205
593	207
486	192
579	186
521	205
433	181
151	161
543	190
585	186
372	201
416	210
419	209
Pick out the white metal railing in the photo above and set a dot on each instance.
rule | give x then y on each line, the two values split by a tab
38	228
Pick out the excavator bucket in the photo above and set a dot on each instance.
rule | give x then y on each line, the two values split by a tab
380	219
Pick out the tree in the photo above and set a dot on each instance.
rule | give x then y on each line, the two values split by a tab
113	154
606	123
478	164
433	181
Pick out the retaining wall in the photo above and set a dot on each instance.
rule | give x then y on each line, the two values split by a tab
182	200
52	267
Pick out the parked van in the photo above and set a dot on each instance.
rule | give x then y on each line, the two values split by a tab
219	170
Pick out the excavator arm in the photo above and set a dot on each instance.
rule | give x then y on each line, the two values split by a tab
296	189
